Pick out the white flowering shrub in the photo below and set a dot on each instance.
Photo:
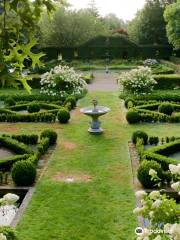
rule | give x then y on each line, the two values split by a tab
62	81
138	81
162	212
150	62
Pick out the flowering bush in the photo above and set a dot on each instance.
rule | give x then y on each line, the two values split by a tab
150	62
162	212
62	81
137	81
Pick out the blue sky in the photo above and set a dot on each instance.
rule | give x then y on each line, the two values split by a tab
124	9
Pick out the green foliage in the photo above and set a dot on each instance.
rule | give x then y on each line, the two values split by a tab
166	108
43	145
19	20
33	107
167	81
162	69
10	101
139	135
148	27
24	138
63	116
70	28
129	102
9	232
14	145
50	134
7	163
172	17
143	173
153	140
72	101
23	173
132	117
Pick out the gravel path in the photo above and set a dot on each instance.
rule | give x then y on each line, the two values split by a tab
104	81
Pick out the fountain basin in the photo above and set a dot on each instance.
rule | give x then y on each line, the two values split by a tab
95	113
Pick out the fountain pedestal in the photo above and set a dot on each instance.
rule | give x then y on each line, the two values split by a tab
95	113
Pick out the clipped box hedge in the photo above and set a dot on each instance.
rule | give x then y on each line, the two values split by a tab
167	81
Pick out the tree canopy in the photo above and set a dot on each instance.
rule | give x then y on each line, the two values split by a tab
149	26
172	16
70	28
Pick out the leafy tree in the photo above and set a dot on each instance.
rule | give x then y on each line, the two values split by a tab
148	27
112	22
172	16
18	19
70	28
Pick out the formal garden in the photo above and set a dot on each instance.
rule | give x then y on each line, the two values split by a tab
64	70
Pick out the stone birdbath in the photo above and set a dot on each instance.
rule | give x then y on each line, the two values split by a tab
95	112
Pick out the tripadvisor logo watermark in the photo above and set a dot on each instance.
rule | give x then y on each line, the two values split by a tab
140	231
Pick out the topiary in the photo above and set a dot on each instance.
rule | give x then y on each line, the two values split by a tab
63	115
23	173
9	232
33	107
143	173
166	108
72	101
132	117
50	134
10	101
141	135
127	101
153	140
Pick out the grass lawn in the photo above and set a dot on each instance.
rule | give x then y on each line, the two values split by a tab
100	209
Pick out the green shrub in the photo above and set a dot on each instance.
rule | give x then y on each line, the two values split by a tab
50	134
162	160
167	81
43	146
139	135
33	108
9	232
162	69
167	148
143	173
6	164
14	145
72	101
10	101
63	115
27	139
132	117
166	108
127	101
23	173
153	140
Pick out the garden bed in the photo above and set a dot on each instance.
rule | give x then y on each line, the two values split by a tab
24	194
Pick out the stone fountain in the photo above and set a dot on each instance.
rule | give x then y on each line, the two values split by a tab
95	112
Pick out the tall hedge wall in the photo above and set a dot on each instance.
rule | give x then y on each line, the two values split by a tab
111	47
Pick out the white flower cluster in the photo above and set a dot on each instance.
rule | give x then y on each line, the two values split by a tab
2	237
175	170
62	81
157	207
150	62
10	198
173	230
138	81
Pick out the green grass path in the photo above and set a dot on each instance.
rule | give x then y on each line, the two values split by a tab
97	210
